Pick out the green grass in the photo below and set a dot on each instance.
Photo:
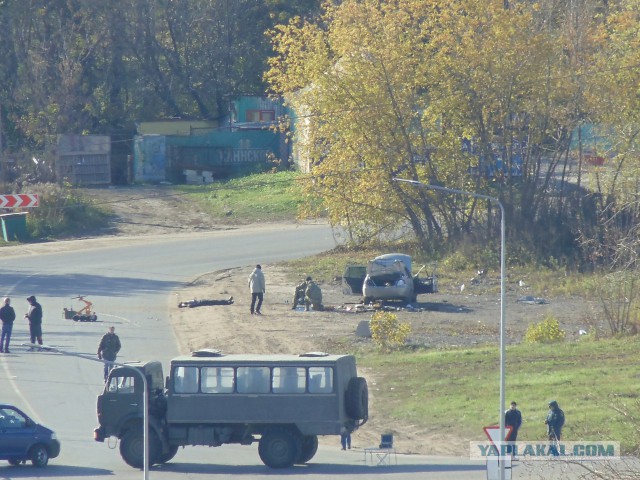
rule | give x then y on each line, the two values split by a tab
326	267
63	212
266	197
459	388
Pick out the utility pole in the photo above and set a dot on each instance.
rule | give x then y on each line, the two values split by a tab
502	300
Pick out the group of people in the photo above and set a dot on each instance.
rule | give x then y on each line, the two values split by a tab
8	316
107	349
554	423
308	292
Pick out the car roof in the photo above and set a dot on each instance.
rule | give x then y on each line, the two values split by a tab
393	257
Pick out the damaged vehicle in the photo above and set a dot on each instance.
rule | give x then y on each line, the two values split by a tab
387	277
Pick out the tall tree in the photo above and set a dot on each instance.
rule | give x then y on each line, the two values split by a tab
467	94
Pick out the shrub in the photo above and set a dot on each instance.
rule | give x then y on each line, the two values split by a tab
547	331
387	332
62	212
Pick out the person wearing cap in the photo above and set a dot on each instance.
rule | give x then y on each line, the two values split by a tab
34	315
7	315
257	288
300	292
554	422
513	419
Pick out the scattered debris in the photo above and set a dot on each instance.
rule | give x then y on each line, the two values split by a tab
531	300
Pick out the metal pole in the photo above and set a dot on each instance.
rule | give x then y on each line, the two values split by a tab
502	297
145	404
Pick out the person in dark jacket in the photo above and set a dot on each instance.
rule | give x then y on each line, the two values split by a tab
34	315
7	315
554	422
108	349
513	419
299	293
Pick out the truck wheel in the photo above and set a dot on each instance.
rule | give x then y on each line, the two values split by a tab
166	457
357	399
132	448
278	448
309	447
39	456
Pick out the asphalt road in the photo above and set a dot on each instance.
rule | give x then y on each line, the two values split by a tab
131	285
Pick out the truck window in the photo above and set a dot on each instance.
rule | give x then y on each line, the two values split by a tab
121	384
289	380
185	379
216	380
253	380
320	379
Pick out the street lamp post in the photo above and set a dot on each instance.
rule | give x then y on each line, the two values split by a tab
502	292
145	404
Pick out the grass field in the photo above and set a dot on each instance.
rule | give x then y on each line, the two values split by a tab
459	388
255	198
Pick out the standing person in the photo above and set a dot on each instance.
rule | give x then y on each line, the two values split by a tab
513	419
34	315
108	349
7	315
257	288
345	439
554	422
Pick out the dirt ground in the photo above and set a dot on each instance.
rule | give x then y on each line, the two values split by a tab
453	316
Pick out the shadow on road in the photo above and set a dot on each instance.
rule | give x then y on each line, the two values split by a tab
51	471
313	469
52	285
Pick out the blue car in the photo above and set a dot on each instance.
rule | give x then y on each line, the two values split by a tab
22	439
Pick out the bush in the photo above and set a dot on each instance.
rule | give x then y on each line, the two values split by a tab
62	212
387	332
547	331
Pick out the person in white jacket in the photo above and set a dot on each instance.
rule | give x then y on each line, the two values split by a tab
257	287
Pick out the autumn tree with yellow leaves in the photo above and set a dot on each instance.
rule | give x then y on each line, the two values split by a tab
479	95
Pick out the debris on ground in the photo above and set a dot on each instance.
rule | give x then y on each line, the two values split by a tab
531	300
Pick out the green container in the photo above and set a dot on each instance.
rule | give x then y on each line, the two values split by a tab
14	226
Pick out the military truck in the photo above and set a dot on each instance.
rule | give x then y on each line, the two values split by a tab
283	402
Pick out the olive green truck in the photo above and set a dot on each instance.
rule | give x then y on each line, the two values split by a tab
283	402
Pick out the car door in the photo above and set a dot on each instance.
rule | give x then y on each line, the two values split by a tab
16	432
353	278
